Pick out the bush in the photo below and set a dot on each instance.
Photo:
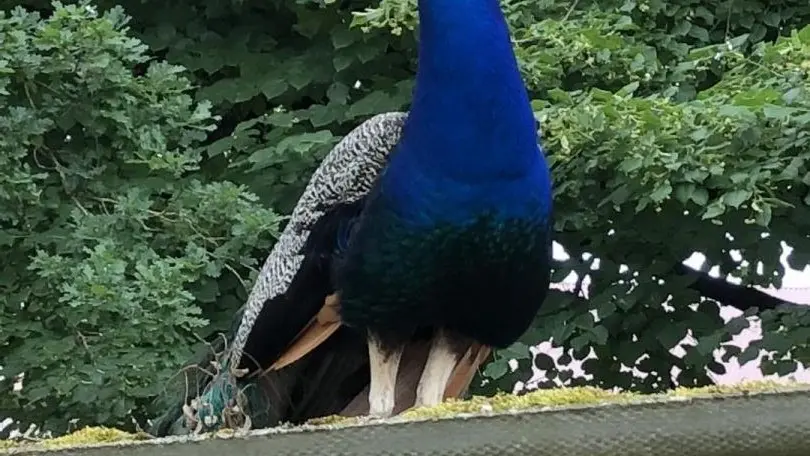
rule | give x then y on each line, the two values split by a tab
116	247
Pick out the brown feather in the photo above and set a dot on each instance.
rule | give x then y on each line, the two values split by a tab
465	370
320	328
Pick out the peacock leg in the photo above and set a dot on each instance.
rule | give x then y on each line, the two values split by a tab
384	363
441	361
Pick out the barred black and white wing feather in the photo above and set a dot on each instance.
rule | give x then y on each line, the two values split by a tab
345	175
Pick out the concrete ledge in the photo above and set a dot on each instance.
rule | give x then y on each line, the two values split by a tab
768	423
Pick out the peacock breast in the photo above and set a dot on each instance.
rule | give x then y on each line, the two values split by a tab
484	277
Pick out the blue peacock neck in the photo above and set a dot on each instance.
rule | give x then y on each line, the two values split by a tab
470	118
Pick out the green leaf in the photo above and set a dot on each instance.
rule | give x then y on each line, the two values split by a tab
496	369
518	351
763	217
714	210
804	34
671	335
207	292
707	344
700	196
342	37
731	352
579	342
776	341
631	164
777	112
584	321
737	324
606	308
785	368
628	89
600	334
738	41
699	32
735	198
683	193
342	61
661	192
272	88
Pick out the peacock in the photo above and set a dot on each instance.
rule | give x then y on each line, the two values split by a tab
453	240
422	241
287	358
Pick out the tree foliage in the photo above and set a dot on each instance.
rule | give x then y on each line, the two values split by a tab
144	165
116	246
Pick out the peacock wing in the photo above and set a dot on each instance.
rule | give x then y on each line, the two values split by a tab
345	175
287	320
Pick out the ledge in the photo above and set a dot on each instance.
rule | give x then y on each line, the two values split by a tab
755	419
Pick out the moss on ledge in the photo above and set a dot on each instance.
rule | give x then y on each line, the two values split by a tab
560	397
540	399
90	435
